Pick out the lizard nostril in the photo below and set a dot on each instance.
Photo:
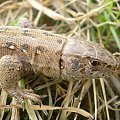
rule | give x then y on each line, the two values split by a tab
109	66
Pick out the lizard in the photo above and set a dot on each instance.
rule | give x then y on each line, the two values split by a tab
24	50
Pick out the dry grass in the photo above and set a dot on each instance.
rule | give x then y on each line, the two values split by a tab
97	20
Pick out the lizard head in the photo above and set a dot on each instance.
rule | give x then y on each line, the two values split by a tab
85	59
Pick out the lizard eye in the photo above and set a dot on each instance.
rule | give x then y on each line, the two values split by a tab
75	64
94	63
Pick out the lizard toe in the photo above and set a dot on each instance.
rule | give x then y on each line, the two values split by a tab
21	94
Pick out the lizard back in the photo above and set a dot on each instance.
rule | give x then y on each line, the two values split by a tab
41	48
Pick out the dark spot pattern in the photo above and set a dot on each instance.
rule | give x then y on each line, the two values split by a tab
62	64
3	30
25	47
59	52
59	41
47	34
25	32
10	45
41	49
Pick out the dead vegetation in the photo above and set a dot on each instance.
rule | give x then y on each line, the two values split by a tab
96	20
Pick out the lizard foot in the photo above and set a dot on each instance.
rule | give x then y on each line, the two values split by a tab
20	94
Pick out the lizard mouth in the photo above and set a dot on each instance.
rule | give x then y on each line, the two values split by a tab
111	70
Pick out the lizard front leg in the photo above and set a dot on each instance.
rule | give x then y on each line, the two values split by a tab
11	70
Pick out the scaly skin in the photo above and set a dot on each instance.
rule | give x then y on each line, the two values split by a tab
25	50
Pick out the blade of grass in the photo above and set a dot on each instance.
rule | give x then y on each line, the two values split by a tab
95	98
112	29
31	112
104	95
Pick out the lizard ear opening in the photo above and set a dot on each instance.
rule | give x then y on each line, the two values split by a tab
75	64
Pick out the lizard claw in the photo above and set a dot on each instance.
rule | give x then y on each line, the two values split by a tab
20	94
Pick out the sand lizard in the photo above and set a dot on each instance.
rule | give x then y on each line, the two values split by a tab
27	50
